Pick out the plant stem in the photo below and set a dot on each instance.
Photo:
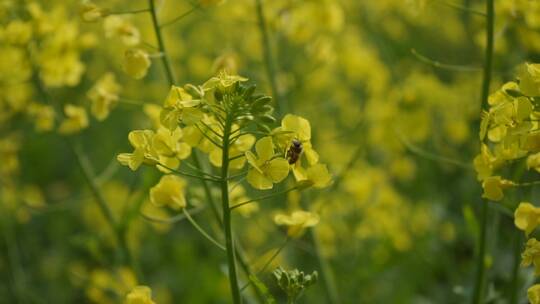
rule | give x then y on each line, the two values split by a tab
478	292
514	287
326	271
88	173
488	63
13	255
231	260
143	10
123	253
174	20
268	56
199	228
161	45
263	198
268	262
207	190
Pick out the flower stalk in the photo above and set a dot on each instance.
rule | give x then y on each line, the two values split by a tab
229	243
478	291
161	45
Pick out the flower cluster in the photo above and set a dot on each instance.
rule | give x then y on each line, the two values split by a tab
510	133
225	113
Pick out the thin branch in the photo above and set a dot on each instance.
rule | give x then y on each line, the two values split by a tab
180	17
211	130
170	220
446	66
144	10
236	157
201	171
429	155
208	137
268	55
478	290
188	174
161	44
204	233
462	8
263	197
278	251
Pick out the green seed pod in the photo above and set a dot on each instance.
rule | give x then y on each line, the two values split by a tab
513	93
261	101
246	117
248	92
262	127
268	109
267	118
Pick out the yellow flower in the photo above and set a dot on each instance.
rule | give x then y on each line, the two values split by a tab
493	187
139	295
527	217
179	106
18	32
529	79
296	128
136	63
533	161
116	26
90	12
43	117
533	293
319	176
104	95
170	149
141	141
76	120
531	255
106	286
222	82
266	169
297	222
169	192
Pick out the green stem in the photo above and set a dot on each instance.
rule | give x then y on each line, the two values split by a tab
199	228
91	179
326	271
514	287
19	287
206	187
88	173
463	8
478	292
269	261
130	12
438	64
231	260
262	198
188	174
161	45
178	18
268	56
207	190
240	256
488	64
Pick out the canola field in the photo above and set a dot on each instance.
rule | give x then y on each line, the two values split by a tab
270	151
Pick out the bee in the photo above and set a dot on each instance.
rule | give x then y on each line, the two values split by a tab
294	151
